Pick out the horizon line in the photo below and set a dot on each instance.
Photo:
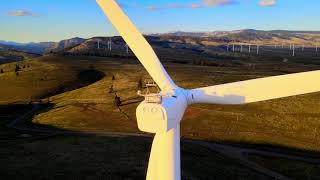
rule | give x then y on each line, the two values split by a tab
146	34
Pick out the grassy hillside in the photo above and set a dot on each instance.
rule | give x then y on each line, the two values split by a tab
83	102
290	122
42	77
7	56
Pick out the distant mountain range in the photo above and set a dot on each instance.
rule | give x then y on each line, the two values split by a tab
179	39
41	47
228	33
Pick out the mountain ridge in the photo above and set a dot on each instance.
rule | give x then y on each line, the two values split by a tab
181	39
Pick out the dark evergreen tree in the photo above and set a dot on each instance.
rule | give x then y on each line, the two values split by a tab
17	68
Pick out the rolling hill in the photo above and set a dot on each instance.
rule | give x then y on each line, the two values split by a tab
288	124
41	47
8	55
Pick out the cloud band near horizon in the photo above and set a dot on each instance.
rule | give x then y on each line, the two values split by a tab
209	3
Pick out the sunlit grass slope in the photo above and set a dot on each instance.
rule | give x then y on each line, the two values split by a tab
290	122
36	77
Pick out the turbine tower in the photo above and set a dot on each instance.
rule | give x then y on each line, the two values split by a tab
110	44
293	53
127	48
257	49
233	47
98	43
163	117
249	48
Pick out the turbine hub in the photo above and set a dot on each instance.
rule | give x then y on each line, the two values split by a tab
161	117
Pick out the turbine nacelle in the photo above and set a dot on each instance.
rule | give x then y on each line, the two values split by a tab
162	117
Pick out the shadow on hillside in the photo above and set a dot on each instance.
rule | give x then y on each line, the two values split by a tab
84	78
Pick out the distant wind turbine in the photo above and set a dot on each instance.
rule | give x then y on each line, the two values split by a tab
293	53
110	44
127	48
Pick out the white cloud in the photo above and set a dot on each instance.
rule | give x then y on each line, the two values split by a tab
268	2
21	13
217	2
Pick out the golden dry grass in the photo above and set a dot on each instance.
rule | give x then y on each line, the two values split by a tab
290	122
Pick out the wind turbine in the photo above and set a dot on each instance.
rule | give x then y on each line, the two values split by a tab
257	49
163	118
249	48
110	44
293	50
98	43
127	48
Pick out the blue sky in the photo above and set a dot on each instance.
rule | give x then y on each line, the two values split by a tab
54	20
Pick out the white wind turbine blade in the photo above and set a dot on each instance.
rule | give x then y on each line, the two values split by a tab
258	89
137	43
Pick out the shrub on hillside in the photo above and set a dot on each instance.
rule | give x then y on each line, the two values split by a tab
17	68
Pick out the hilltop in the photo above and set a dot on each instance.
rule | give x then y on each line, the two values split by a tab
8	55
